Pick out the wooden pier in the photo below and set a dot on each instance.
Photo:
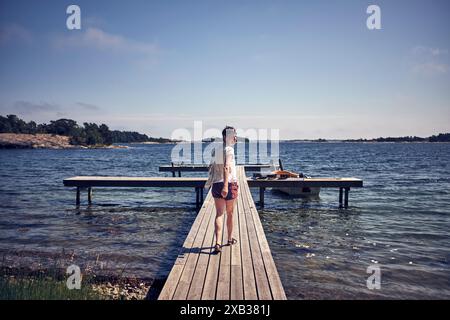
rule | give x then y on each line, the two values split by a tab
88	182
244	271
344	185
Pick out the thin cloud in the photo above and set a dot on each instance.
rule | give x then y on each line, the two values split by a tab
95	38
26	107
15	33
429	61
46	108
88	106
422	50
431	68
37	111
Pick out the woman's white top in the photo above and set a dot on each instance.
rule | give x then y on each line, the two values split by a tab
218	176
229	153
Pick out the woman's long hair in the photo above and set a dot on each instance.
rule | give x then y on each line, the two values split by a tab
225	132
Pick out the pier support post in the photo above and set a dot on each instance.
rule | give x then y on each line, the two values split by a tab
201	195
173	172
341	193
261	197
90	195
179	173
346	197
197	197
77	201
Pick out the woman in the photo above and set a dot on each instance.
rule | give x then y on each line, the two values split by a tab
222	177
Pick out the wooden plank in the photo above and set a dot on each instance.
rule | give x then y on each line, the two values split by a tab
198	182
248	275
198	280
204	168
237	286
223	282
262	283
123	178
305	182
276	286
174	275
210	285
161	182
185	280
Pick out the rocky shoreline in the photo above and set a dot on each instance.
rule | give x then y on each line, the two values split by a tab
44	141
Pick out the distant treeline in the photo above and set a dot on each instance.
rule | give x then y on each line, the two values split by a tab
442	137
88	134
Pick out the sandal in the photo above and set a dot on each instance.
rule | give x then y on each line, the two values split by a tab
217	249
232	241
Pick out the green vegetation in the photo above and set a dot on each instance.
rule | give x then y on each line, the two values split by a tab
46	279
402	139
442	137
42	288
42	284
130	136
88	134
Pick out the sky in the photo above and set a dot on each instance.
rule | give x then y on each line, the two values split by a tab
310	69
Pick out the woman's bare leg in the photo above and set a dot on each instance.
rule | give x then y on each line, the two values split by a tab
230	217
218	225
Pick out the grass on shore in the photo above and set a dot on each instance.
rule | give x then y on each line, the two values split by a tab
43	288
98	282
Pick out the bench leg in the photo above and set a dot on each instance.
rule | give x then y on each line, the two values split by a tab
341	193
